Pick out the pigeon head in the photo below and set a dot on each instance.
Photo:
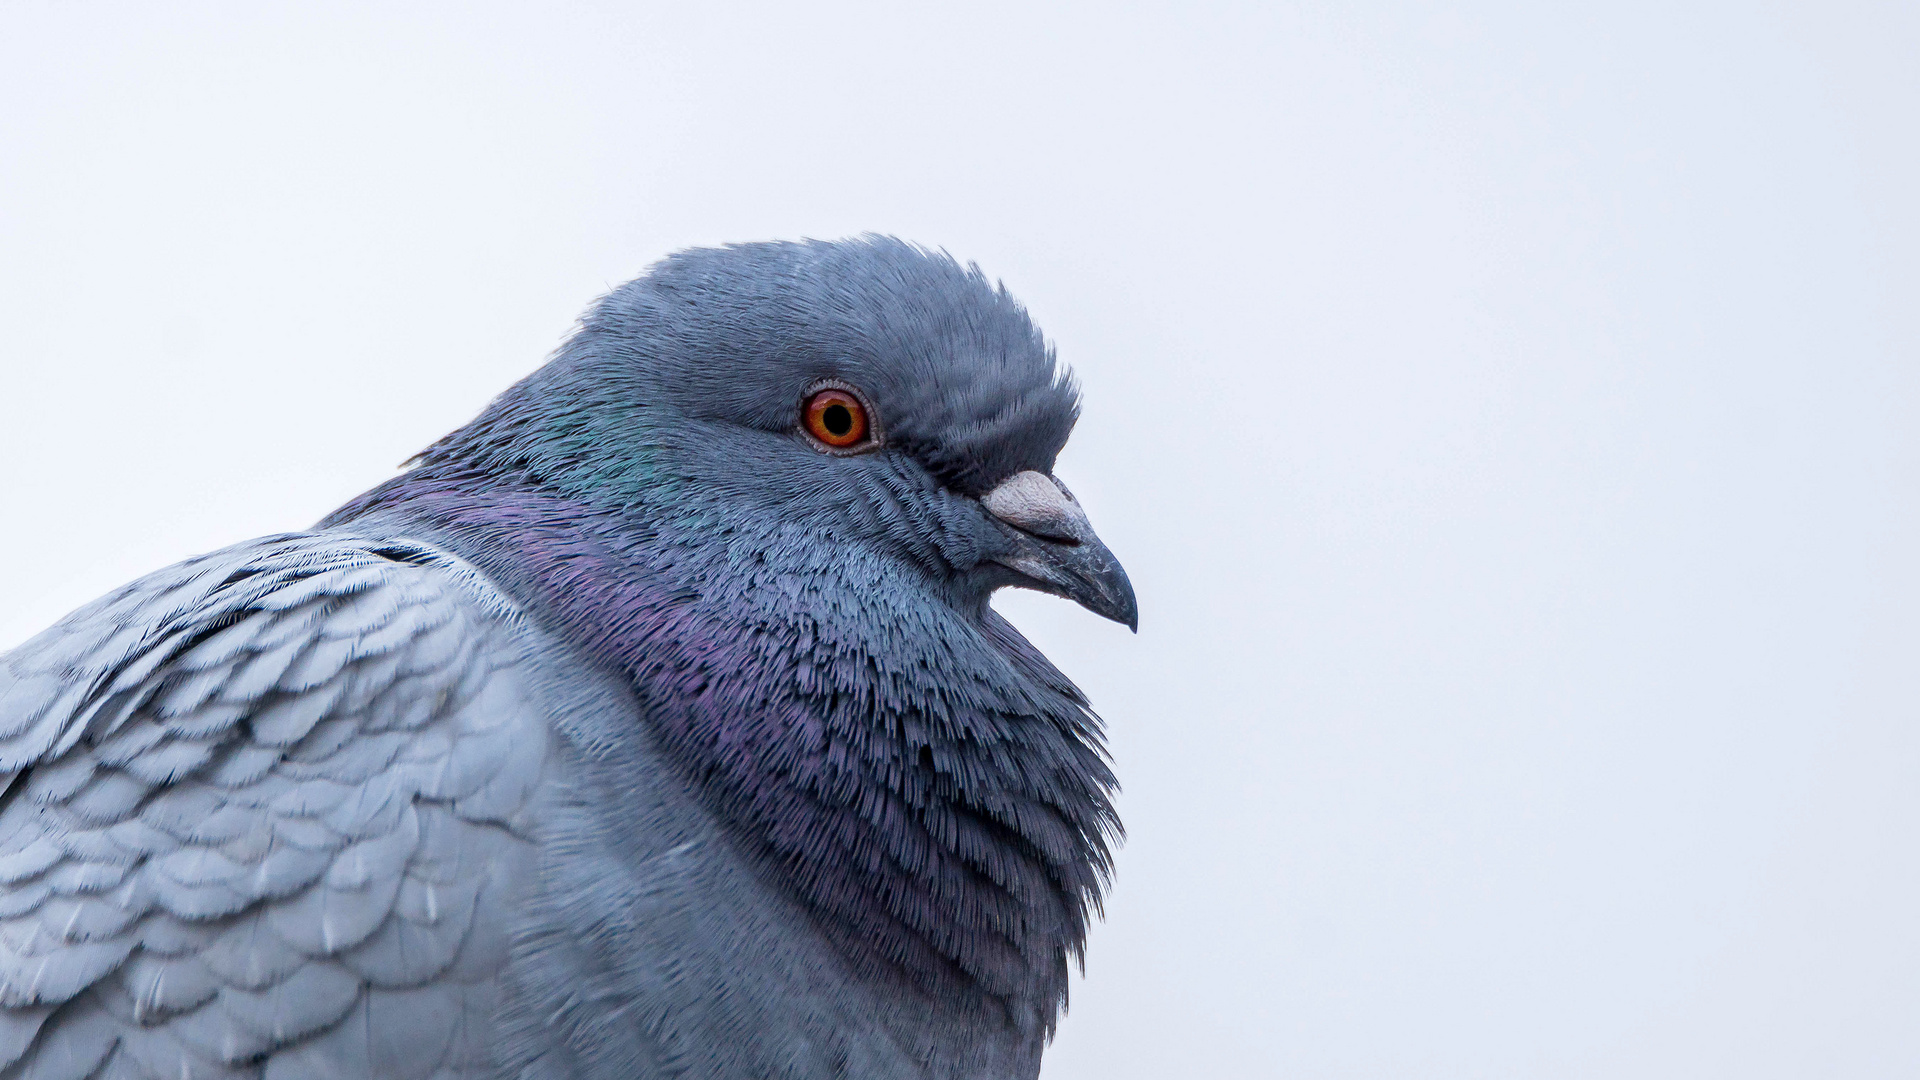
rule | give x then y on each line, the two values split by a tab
691	388
776	485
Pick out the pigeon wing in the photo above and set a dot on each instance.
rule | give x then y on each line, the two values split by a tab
262	812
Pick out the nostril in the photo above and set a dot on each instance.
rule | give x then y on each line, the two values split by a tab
1038	505
1063	539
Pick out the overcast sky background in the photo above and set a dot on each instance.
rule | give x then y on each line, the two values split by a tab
1507	414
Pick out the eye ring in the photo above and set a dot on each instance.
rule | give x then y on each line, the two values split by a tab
838	419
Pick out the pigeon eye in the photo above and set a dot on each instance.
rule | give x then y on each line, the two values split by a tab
836	418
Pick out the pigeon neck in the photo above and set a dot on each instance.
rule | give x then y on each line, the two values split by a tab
920	777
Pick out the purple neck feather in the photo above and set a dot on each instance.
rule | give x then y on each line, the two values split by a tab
924	780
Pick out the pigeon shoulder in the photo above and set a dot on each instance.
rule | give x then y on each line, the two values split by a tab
262	813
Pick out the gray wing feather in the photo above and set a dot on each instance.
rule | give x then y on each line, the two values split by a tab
261	814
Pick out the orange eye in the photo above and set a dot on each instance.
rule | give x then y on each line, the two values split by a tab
836	418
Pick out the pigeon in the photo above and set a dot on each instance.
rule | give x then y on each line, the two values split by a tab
654	723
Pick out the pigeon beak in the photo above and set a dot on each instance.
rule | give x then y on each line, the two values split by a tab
1055	547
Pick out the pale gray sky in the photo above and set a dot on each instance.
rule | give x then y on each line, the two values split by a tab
1506	412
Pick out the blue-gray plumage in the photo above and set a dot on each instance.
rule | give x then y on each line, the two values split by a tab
653	724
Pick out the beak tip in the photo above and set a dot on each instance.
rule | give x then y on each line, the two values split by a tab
1127	611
